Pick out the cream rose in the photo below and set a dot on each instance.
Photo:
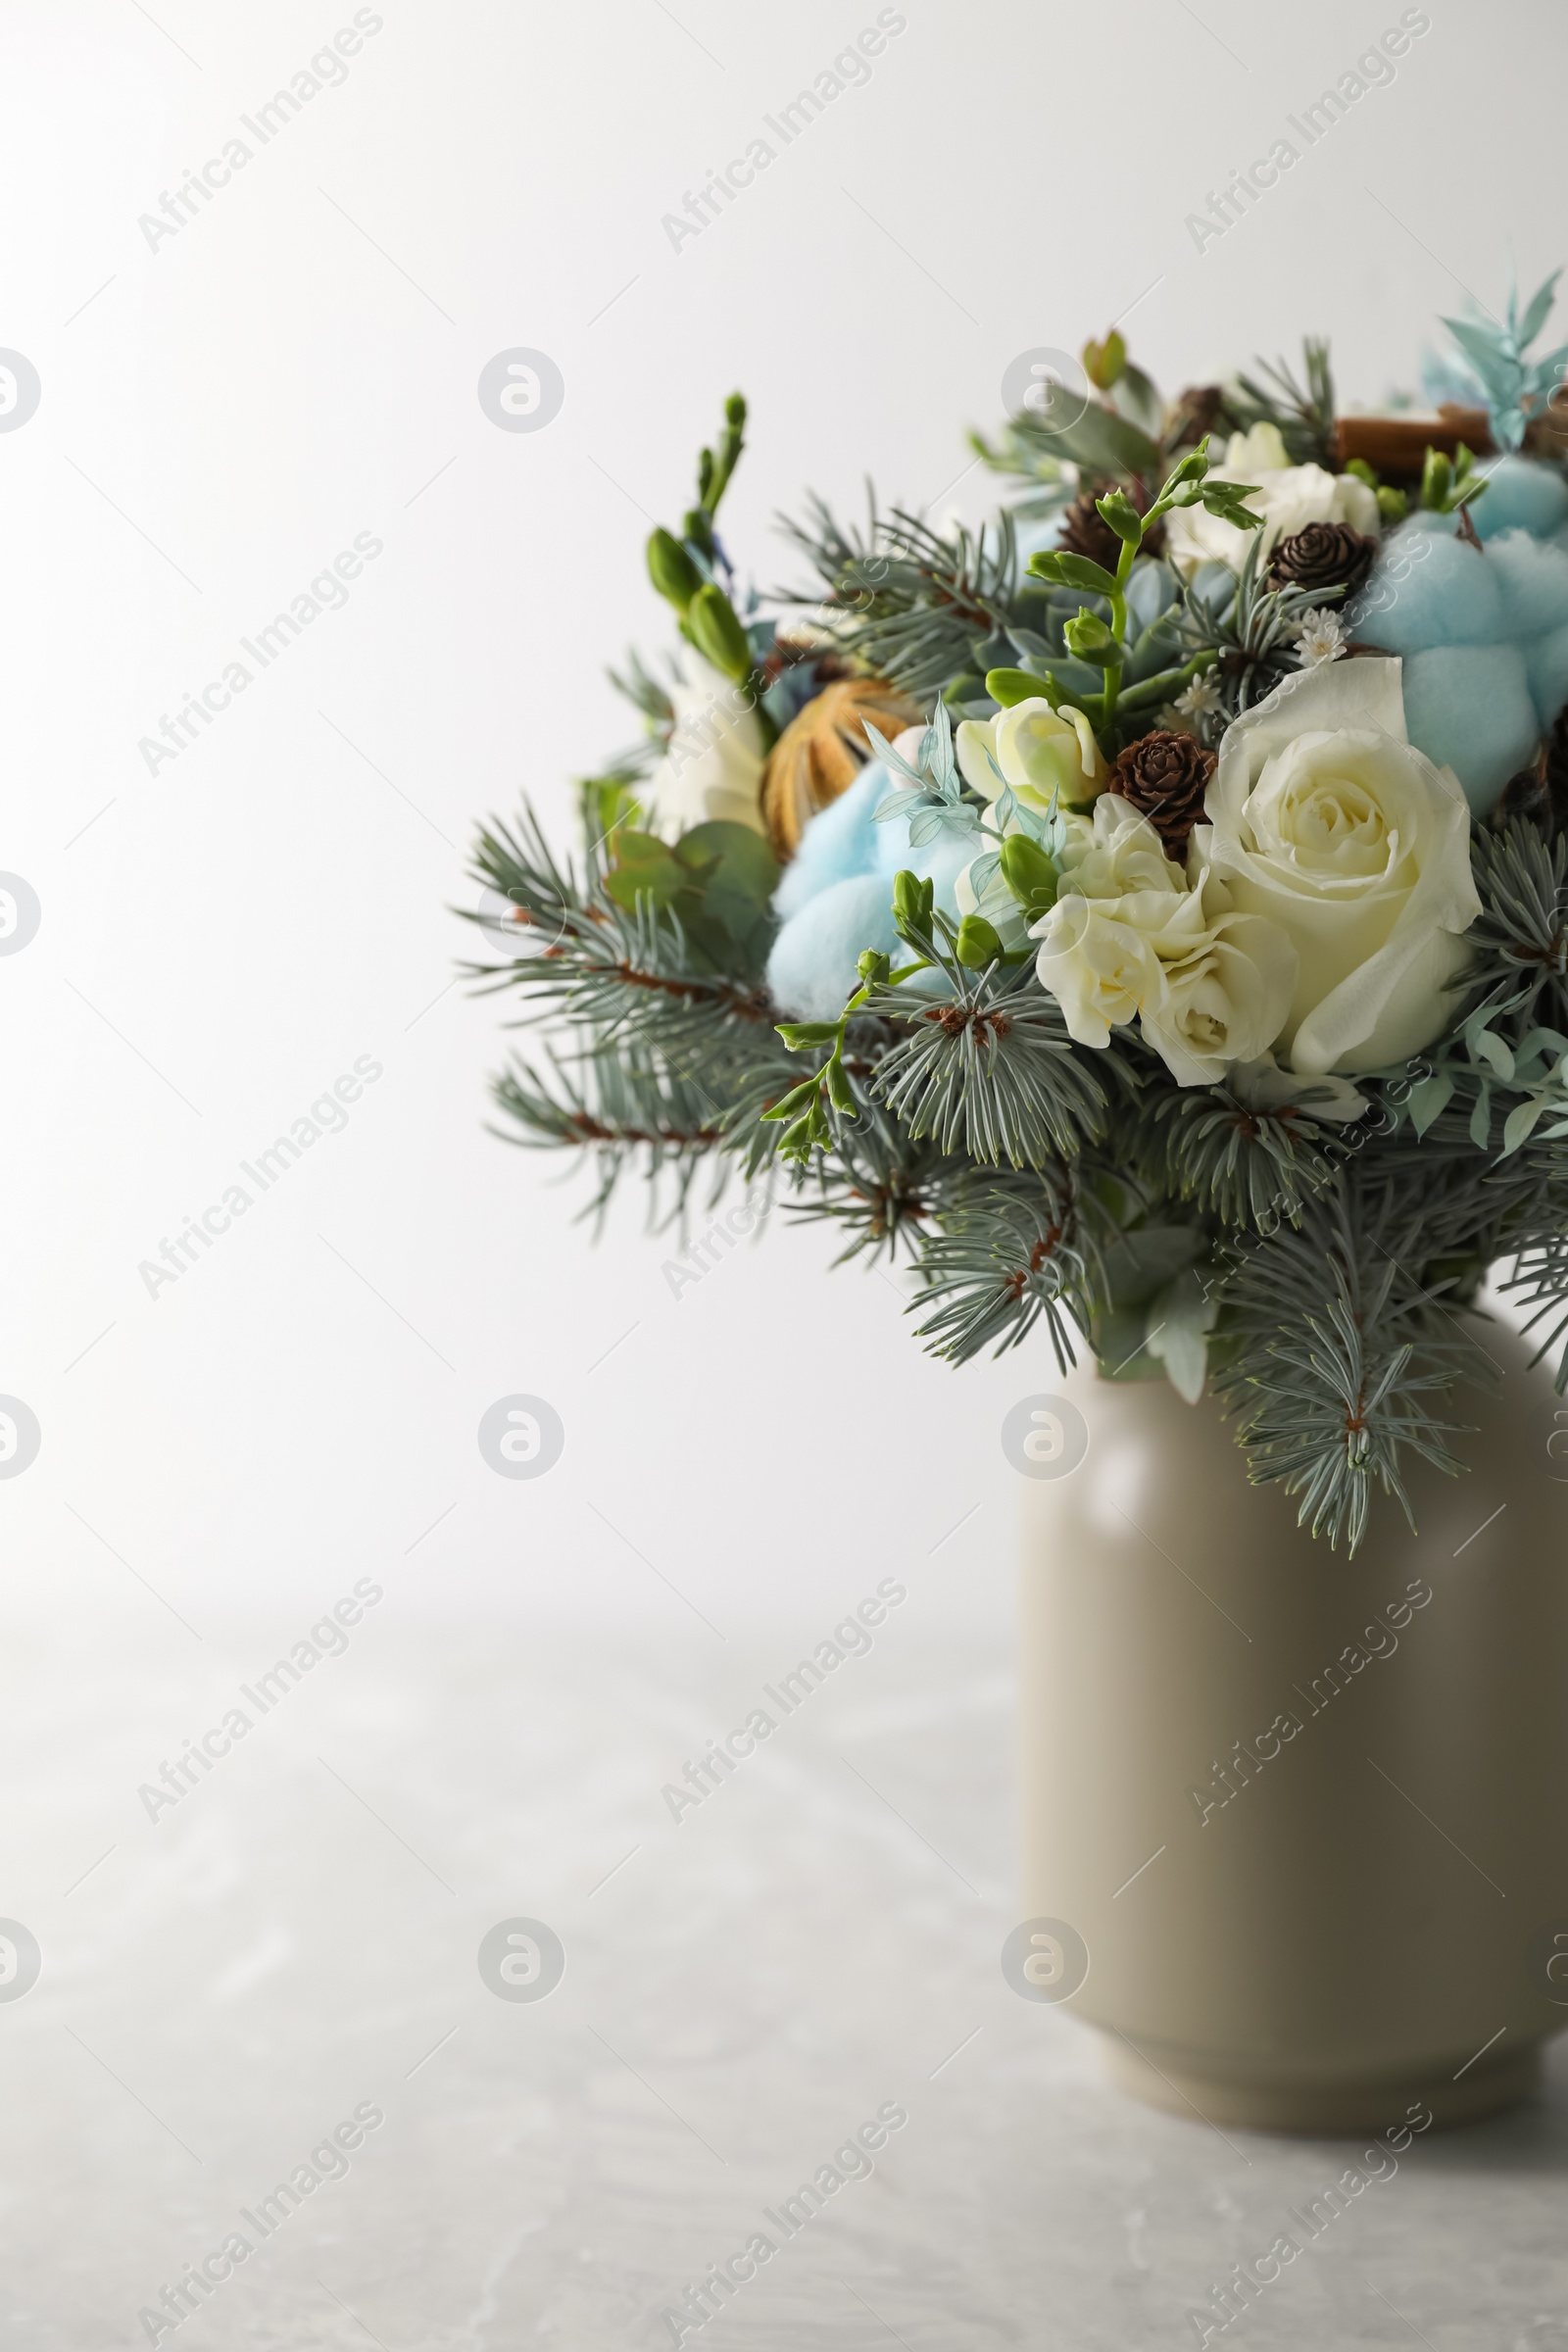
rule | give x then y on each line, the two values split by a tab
1132	938
1324	819
1287	497
1036	750
1102	970
714	764
1224	1003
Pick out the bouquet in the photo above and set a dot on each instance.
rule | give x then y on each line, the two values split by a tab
1147	910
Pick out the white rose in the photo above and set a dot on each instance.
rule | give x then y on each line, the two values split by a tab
1102	971
1287	497
1224	1003
1325	819
1036	750
714	765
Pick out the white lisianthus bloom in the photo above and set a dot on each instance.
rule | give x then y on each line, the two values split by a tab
1116	851
1133	938
1287	497
713	767
1103	971
1325	819
1036	750
1224	1003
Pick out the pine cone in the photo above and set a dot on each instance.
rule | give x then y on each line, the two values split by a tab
1200	409
1325	554
822	750
1164	776
1083	532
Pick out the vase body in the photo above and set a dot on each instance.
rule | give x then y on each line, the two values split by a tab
1302	1820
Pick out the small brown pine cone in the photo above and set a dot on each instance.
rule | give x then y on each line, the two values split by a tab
1085	532
1164	776
1325	554
1200	409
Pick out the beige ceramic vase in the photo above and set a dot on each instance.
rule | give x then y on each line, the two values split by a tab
1295	1825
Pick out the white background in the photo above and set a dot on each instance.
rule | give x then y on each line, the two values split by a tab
219	417
276	902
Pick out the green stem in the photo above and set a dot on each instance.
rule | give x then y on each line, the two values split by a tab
1150	690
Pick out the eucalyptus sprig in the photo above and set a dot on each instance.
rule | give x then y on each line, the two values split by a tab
1089	639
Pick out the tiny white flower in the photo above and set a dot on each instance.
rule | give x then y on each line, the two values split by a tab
1174	719
1319	636
1200	699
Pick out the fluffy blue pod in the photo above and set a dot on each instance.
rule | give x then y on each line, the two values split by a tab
840	841
1469	708
1546	662
1533	578
1430	590
811	969
1521	496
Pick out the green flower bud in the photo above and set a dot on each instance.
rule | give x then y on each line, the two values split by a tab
1392	504
914	899
1193	466
1118	509
1363	472
699	529
1029	874
1437	481
1010	686
873	967
671	569
978	943
717	634
1089	640
735	410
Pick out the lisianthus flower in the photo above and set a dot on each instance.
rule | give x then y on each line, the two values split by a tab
1287	497
1036	750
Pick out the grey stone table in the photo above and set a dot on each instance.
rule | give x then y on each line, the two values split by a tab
749	1979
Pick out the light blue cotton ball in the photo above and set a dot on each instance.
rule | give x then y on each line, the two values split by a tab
1521	496
1546	662
1427	590
1469	708
840	841
812	970
1533	578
